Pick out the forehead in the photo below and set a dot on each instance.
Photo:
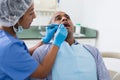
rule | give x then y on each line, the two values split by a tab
60	14
31	8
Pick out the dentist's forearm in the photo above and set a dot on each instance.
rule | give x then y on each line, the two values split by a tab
46	65
32	49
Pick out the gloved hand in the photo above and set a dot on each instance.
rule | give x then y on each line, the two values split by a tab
60	35
50	30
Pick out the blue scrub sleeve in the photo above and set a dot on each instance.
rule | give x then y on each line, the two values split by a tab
18	63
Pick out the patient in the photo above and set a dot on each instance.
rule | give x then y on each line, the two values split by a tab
74	61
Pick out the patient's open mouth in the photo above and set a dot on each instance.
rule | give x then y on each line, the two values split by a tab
66	25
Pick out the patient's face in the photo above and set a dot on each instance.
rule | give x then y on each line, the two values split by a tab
63	18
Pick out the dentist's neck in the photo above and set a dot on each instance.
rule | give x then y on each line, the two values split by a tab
9	30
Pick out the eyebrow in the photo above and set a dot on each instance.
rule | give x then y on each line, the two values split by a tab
57	16
64	15
67	15
31	9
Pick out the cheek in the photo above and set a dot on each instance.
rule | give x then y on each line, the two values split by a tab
26	23
71	29
29	20
56	22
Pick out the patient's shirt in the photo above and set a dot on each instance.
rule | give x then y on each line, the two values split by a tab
74	63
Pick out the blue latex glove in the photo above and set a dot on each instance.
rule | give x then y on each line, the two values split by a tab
60	35
50	30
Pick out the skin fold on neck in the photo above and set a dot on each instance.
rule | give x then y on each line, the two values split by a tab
9	30
70	40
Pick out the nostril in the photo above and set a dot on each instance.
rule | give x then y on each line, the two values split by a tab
64	19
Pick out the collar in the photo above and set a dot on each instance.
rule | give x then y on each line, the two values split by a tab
76	42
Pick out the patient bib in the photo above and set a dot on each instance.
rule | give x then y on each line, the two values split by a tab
74	63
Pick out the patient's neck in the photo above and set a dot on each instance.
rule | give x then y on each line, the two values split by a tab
70	40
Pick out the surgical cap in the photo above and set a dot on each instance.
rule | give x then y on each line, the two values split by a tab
12	10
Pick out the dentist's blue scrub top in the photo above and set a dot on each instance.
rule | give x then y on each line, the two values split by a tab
16	62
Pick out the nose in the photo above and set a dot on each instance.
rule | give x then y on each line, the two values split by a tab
34	15
64	19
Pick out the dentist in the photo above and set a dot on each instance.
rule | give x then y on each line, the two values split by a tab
16	62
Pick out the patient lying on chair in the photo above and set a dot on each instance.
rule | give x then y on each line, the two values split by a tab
74	61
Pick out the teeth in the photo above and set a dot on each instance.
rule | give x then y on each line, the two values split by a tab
65	24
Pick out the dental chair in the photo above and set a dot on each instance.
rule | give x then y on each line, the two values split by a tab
116	76
112	62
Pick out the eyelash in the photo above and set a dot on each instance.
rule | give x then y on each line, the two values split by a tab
59	18
31	13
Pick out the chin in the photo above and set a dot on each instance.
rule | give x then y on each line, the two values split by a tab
27	27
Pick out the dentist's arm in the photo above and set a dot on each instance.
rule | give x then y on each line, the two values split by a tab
32	49
45	67
50	30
